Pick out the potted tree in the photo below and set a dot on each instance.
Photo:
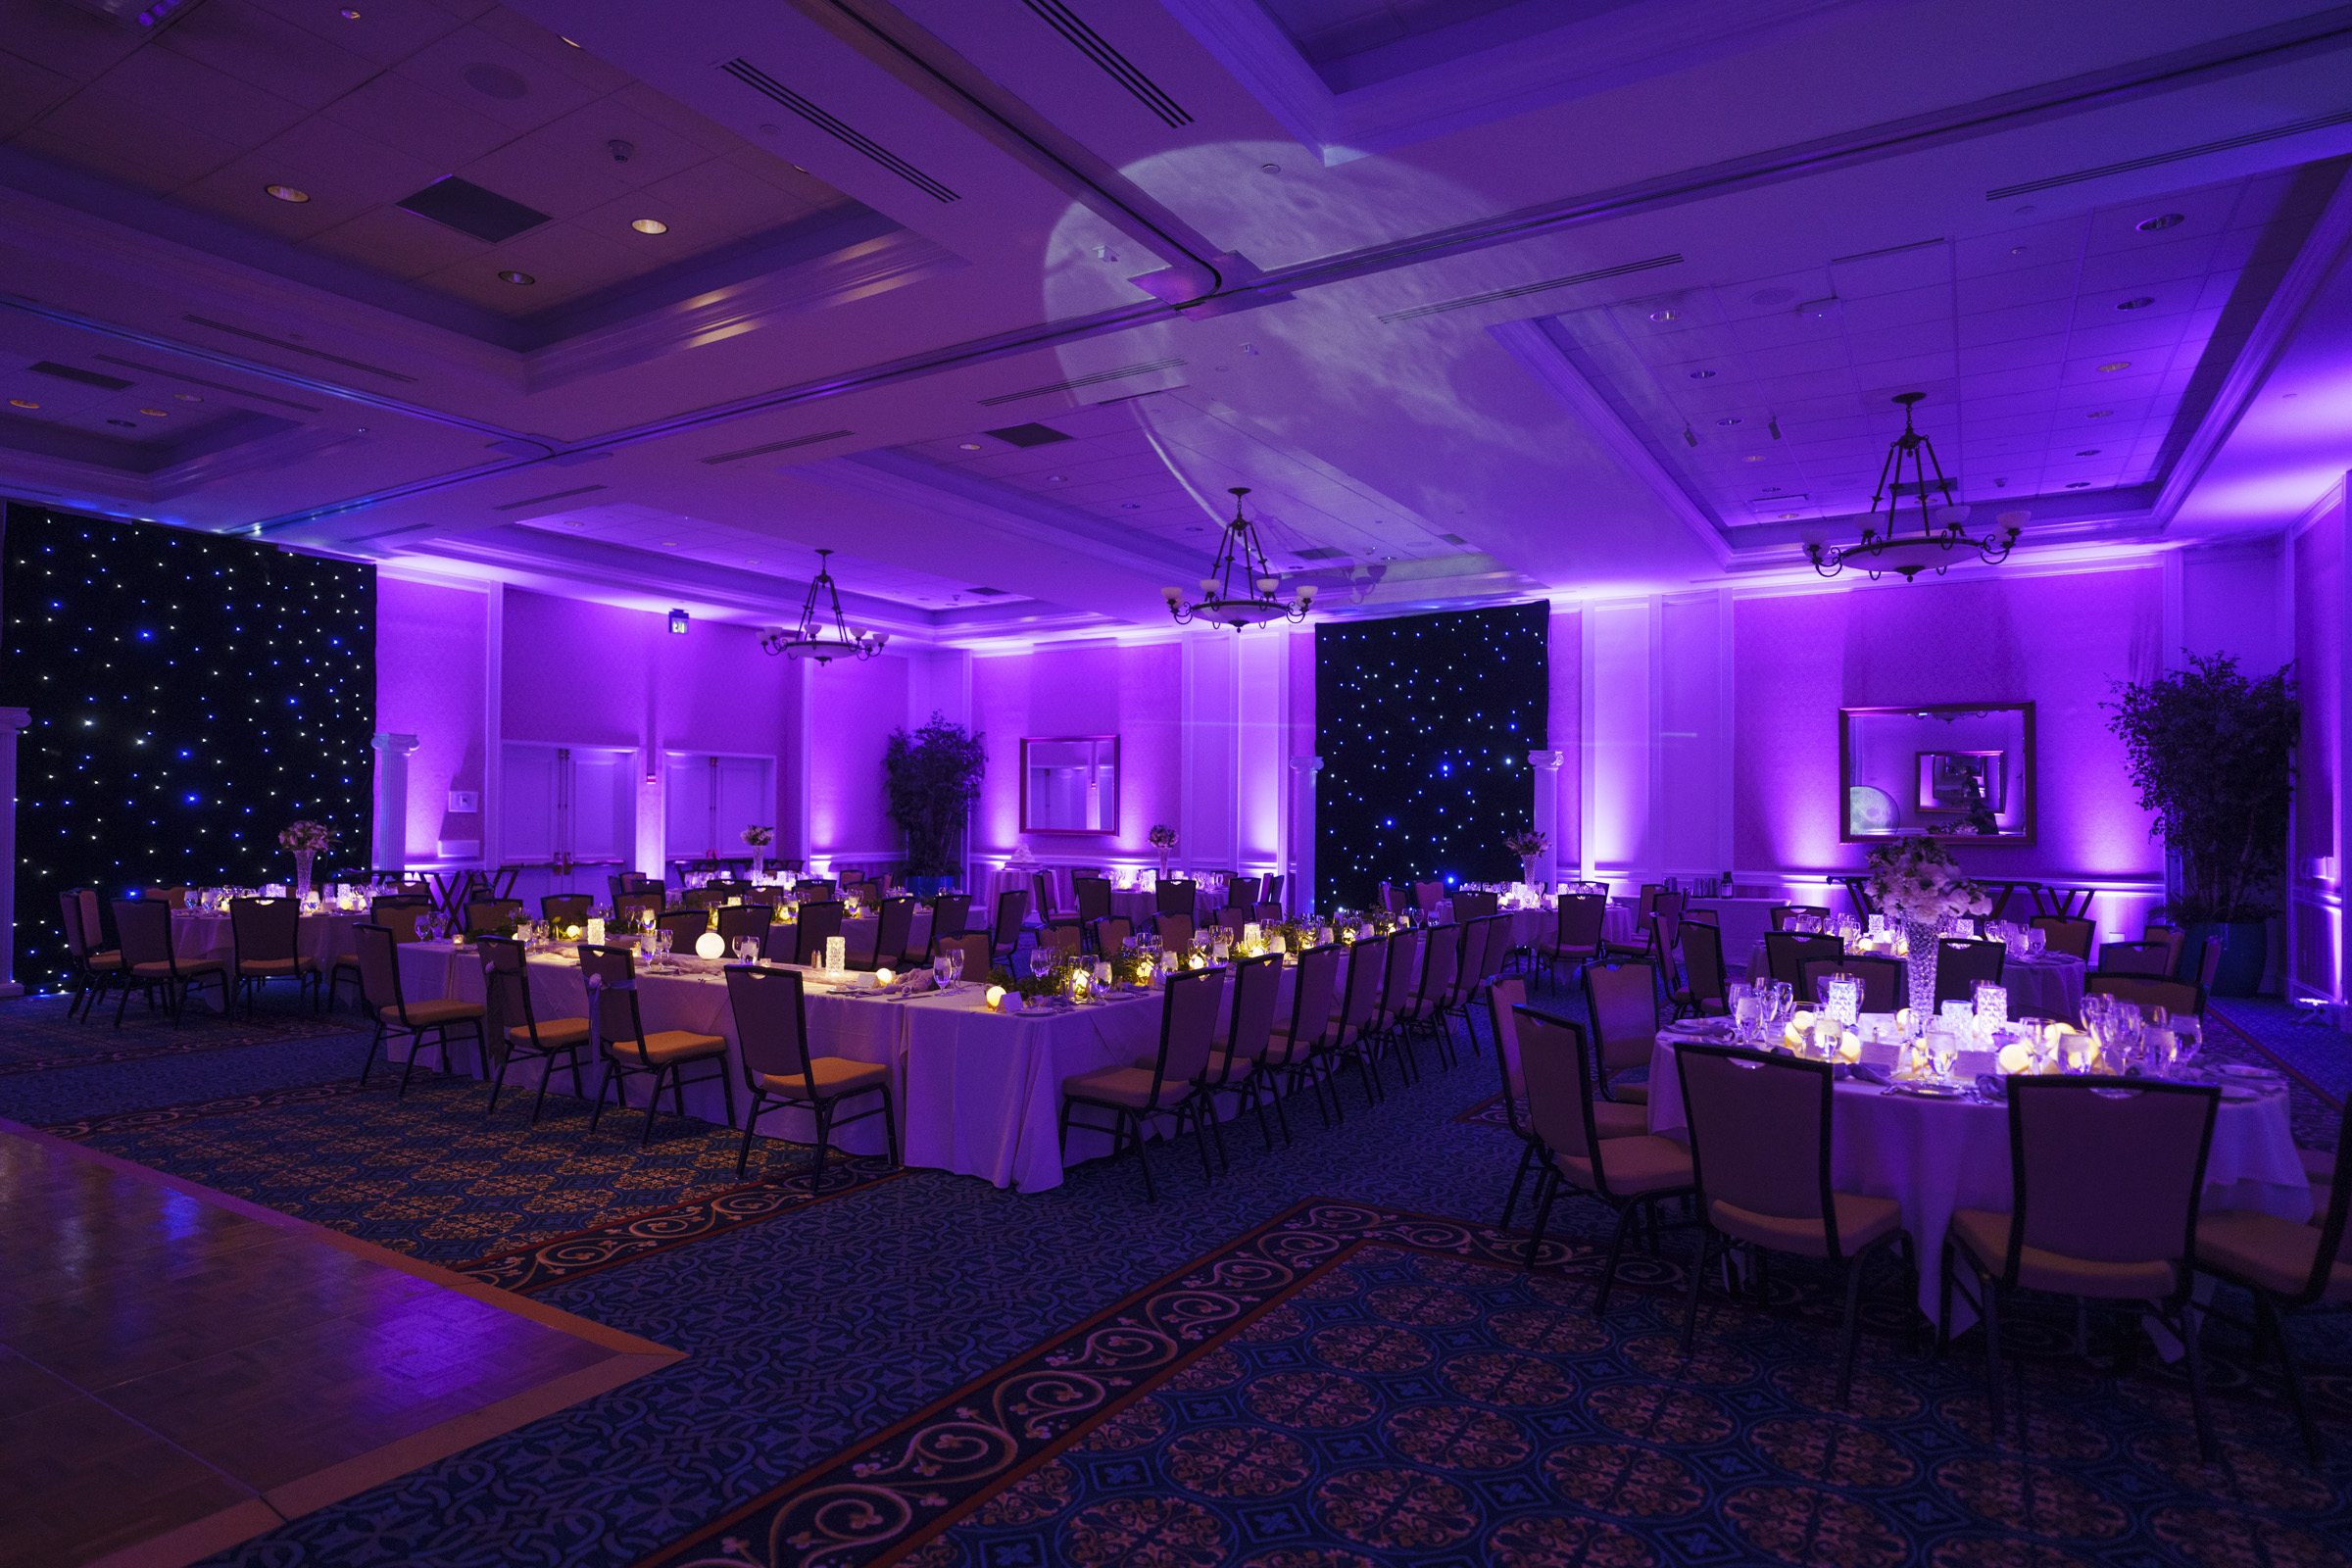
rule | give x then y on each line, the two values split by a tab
2212	753
932	777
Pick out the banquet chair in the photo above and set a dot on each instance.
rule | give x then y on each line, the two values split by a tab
263	936
951	915
2105	1179
1094	897
617	1027
1171	1085
846	874
144	926
1486	947
170	898
1643	900
1359	1013
1428	1008
1469	956
1713	917
1300	1055
1883	979
1244	889
1175	931
1628	1174
395	1014
893	934
2149	991
1962	962
1066	936
1271	893
818	922
2286	1266
1783	914
770	1008
1426	894
1657	907
1268	913
1234	1061
1176	898
1703	993
1394	899
507	1009
1786	953
1474	905
1235	918
399	910
739	920
1576	932
2063	935
1610	1119
1759	1127
634	882
2175	940
1857	890
2136	957
1012	913
565	908
1112	933
1622	1001
814	890
492	917
2209	961
685	927
1388	1032
708	895
973	945
630	909
93	967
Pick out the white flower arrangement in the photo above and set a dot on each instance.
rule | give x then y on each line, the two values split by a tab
1916	879
759	837
306	834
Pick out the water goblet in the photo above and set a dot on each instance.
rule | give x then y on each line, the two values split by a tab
942	969
955	966
1943	1049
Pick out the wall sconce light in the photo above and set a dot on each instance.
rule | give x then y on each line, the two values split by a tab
677	623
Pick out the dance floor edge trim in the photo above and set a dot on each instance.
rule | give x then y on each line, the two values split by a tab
626	1358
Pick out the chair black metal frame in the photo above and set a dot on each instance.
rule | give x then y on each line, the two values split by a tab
507	985
741	981
604	1001
379	952
1128	1122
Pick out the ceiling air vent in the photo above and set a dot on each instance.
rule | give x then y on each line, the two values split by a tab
1028	435
767	86
988	593
1116	66
1453	538
471	209
1076	382
296	348
554	495
1595	276
67	372
1320	553
778	446
2153	159
197	380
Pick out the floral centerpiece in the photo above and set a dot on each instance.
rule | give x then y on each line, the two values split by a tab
758	838
1164	839
306	839
1530	845
1915	880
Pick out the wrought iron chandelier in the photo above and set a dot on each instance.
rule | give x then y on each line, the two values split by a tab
1249	601
1884	550
810	638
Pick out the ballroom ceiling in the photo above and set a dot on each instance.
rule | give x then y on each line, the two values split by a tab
1007	294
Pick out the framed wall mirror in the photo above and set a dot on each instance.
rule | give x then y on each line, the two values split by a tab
1957	770
1070	784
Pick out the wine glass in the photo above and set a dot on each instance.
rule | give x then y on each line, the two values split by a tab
1041	959
943	971
954	965
746	949
663	937
1943	1049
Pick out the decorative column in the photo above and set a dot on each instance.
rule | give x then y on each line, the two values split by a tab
388	844
1547	808
13	722
1299	893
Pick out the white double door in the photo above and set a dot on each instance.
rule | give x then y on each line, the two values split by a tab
573	801
710	800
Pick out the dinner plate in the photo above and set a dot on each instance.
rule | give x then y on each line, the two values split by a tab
2236	1093
1933	1091
2246	1070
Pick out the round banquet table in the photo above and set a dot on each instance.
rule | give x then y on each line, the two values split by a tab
323	936
1935	1155
2048	985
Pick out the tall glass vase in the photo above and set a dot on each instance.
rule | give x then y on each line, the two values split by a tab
1918	938
302	872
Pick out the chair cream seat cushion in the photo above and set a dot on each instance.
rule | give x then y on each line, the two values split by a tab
1861	1221
554	1034
161	968
834	1076
1986	1234
426	1015
1613	1120
1630	1094
1130	1087
264	967
107	961
2267	1251
1635	1165
1279	1051
1240	1070
666	1045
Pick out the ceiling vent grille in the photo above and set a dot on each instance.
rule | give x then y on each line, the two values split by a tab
553	495
1319	552
296	348
778	446
2153	159
1116	66
1891	250
197	380
1028	435
1076	382
988	593
767	86
1595	276
67	372
471	209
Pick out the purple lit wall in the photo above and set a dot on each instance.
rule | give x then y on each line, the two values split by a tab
429	678
2056	641
1092	689
853	707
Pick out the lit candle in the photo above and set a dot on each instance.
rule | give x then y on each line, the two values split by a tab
596	932
995	997
709	944
836	952
883	977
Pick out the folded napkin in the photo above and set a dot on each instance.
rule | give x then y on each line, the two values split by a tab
1862	1072
1991	1087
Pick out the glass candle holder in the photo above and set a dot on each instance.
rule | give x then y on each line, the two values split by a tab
837	954
1841	997
1992	1004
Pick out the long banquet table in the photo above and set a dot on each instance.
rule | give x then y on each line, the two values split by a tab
324	936
1935	1155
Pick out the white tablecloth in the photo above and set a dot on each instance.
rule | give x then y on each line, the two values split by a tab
1937	1155
2049	986
204	934
976	1093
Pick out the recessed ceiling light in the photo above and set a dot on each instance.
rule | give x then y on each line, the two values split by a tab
670	544
1734	419
1058	478
2089	451
287	193
187	397
523	278
649	225
2080	484
124	423
2101	414
19	403
155	413
567	40
1131	505
2017	250
971	446
2148	225
2138	303
1665	316
1703	375
351	16
2119	364
1270	168
1753	457
1786	516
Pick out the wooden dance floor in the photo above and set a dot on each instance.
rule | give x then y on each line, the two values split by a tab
180	1370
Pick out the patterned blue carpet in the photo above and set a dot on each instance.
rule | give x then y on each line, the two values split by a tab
814	1329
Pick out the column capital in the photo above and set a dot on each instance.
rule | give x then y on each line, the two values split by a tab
384	740
1307	765
16	718
1549	760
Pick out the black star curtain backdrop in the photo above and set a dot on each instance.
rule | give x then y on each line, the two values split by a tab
1424	724
190	695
